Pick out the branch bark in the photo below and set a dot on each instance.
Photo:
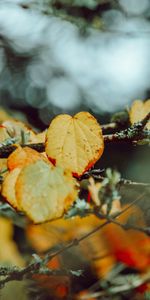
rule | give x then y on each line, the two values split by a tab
132	134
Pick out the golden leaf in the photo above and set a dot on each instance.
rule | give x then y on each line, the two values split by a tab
44	192
8	188
16	161
138	111
75	143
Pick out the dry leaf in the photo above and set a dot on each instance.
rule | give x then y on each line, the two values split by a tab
138	111
45	236
16	161
8	188
75	143
22	157
129	247
8	250
44	192
104	248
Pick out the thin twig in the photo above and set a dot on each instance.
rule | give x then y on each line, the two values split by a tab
145	230
15	273
76	242
108	126
96	174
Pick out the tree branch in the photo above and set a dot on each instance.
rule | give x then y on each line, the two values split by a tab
5	151
39	265
16	273
145	230
132	134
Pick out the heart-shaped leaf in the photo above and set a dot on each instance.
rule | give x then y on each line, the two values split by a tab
44	192
75	143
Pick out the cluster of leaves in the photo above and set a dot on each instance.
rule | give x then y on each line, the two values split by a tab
48	185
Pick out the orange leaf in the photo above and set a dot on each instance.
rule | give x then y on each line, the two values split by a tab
43	237
22	157
128	246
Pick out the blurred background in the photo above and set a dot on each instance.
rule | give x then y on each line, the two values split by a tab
66	56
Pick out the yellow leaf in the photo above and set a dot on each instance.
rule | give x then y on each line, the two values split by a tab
44	192
8	250
16	161
75	143
138	111
8	188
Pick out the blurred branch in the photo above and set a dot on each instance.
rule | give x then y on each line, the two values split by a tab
37	267
39	264
96	174
128	284
126	226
